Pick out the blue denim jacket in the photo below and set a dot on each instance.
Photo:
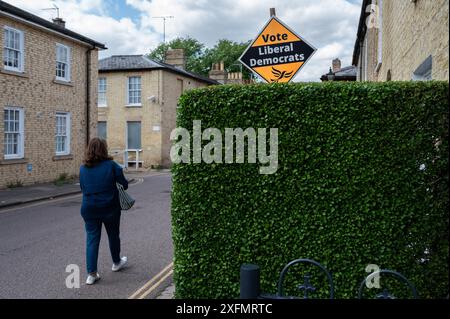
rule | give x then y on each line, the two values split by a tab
98	184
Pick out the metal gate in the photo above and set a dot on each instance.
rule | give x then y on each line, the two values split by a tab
250	282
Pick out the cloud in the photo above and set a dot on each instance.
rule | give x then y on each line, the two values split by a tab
329	25
90	18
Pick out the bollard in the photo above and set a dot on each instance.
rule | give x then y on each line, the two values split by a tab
249	281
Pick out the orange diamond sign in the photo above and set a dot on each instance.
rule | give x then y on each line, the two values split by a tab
277	53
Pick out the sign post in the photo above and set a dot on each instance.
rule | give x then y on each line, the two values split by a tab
277	53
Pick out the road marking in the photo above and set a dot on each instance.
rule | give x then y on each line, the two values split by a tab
139	181
145	294
168	268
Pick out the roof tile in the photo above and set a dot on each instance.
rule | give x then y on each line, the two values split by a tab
141	62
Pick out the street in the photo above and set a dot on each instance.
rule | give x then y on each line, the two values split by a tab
38	241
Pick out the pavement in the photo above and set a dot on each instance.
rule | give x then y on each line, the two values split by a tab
168	293
28	194
42	247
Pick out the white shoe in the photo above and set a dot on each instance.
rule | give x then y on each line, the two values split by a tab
119	266
92	279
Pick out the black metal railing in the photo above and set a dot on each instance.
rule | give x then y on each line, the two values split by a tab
386	294
250	282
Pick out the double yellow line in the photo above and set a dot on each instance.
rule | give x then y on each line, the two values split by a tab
153	283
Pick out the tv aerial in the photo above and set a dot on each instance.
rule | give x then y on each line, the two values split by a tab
164	24
55	8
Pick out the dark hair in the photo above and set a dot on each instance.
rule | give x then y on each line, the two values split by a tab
96	152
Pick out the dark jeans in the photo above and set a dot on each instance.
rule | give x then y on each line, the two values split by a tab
94	232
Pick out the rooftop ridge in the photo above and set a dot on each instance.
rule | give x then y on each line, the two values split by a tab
142	62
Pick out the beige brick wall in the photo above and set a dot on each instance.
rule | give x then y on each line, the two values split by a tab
167	88
40	97
173	86
117	114
411	33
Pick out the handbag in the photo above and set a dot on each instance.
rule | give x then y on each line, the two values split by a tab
126	201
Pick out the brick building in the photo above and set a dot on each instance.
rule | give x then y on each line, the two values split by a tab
402	40
48	92
137	105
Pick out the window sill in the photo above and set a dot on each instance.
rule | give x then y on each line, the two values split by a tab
14	161
102	106
62	158
133	105
62	82
14	73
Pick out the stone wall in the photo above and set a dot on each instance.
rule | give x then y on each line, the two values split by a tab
411	32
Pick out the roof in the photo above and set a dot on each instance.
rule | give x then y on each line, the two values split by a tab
347	73
127	62
120	63
362	28
19	13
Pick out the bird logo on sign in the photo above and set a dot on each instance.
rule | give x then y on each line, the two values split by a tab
280	75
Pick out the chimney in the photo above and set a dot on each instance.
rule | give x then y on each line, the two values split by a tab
218	72
235	78
336	65
176	58
60	22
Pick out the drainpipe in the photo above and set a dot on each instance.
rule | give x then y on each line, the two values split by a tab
361	57
88	92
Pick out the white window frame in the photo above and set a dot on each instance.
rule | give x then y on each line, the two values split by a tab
128	91
21	137
67	76
66	116
21	50
102	102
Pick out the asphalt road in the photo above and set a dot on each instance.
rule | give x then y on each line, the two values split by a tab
38	242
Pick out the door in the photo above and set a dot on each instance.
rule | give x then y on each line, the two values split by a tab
133	135
101	130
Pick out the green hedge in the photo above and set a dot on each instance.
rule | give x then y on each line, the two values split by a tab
348	192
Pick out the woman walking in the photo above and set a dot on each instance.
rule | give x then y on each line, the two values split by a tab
101	206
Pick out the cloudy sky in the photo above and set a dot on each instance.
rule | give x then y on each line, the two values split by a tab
129	26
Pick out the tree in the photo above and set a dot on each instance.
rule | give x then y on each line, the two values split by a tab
200	59
229	52
193	51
